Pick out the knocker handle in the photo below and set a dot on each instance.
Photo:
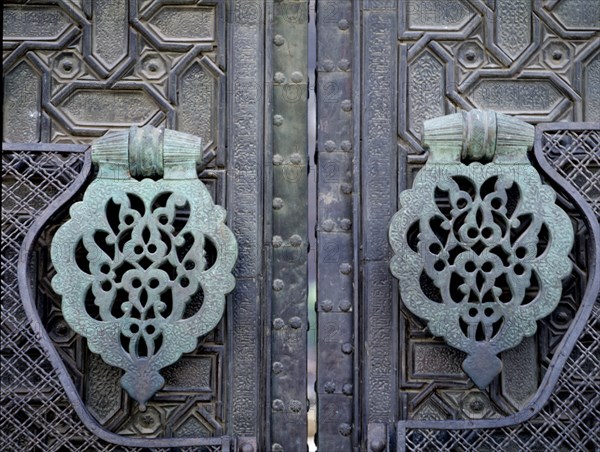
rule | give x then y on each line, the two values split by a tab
149	258
480	247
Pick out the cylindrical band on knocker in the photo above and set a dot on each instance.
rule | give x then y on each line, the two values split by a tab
479	135
146	152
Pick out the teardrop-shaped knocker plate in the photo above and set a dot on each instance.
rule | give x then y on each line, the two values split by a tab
480	249
143	266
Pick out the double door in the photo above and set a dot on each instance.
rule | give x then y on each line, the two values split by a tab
310	115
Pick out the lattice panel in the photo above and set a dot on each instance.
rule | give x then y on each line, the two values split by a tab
576	157
569	420
36	413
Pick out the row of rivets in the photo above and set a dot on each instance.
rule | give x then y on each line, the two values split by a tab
290	167
329	225
295	241
294	159
344	305
327	188
345	145
280	78
330	388
295	406
343	65
295	322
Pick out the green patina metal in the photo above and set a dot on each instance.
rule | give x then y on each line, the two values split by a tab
480	249
143	266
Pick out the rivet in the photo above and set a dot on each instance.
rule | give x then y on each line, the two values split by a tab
346	188
276	447
328	65
328	225
278	284
346	224
277	241
347	348
278	405
278	323
278	40
295	240
344	64
297	77
296	158
346	145
279	77
377	445
277	160
277	367
329	387
345	305
327	305
562	316
295	406
345	268
277	203
329	146
343	24
347	389
296	322
277	120
346	105
344	429
246	448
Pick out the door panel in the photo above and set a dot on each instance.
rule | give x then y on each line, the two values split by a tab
73	71
412	61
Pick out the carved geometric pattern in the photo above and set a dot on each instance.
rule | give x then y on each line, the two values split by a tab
538	61
569	418
73	70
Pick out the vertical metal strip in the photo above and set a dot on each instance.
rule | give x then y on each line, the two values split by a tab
335	292
289	284
378	158
245	175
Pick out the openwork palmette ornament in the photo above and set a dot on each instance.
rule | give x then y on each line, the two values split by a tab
480	248
143	266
